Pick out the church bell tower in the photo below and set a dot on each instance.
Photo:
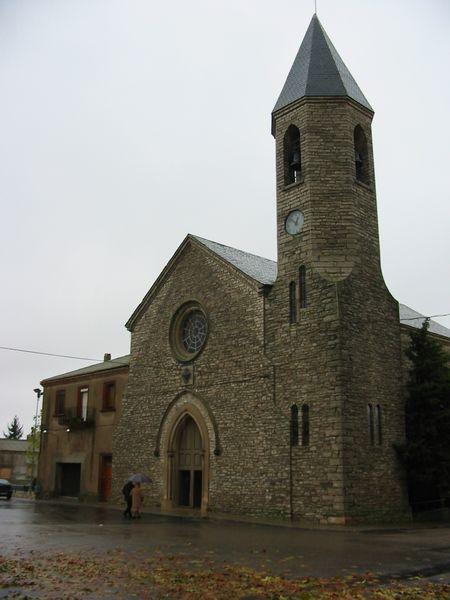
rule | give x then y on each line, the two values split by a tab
332	326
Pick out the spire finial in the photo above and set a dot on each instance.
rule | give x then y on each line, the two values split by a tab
315	7
318	71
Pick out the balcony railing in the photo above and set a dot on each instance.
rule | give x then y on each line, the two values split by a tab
74	420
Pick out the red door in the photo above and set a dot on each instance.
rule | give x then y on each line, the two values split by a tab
105	477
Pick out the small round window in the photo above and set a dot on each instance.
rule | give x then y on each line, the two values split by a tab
188	331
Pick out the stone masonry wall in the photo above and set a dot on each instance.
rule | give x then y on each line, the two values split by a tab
344	350
233	380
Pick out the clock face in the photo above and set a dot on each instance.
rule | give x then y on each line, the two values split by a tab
294	222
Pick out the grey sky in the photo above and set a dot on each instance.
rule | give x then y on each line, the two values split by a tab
126	124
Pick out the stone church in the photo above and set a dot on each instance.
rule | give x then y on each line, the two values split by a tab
275	389
254	387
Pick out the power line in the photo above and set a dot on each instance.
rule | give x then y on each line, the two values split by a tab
124	363
424	317
60	355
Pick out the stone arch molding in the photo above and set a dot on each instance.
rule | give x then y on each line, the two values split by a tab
198	409
181	407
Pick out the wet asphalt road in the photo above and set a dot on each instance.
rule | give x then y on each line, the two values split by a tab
44	527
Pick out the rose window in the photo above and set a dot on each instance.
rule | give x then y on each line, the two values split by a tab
188	331
193	331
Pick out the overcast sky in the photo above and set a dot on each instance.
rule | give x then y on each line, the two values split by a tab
126	124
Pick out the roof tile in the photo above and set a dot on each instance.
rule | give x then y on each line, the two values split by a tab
318	70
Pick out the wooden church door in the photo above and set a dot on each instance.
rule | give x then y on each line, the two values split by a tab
190	464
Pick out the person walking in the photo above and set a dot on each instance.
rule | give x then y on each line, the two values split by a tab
137	499
127	494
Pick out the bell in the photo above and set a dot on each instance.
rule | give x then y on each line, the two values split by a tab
295	159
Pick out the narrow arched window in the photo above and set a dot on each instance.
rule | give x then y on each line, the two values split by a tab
378	424
361	155
302	286
292	155
305	425
294	425
292	302
370	424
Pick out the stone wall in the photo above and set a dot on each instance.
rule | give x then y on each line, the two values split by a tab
232	381
341	355
344	351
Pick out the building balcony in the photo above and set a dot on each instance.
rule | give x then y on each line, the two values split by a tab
74	420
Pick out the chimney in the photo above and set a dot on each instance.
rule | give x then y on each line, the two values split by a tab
106	357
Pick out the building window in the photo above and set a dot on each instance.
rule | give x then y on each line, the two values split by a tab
361	155
188	331
302	286
60	400
294	425
109	396
292	156
370	424
378	424
193	331
292	302
82	405
305	425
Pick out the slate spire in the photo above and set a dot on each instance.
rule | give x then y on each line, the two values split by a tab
318	70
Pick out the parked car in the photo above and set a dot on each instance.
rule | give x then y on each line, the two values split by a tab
6	489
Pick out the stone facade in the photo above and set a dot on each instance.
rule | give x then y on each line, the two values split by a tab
343	353
259	409
232	386
337	361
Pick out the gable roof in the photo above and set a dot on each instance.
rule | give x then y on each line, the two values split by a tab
106	365
258	268
261	270
318	70
264	271
254	269
411	317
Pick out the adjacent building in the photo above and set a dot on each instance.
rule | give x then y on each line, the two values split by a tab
15	461
79	412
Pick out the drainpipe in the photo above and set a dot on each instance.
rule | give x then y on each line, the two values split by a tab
291	485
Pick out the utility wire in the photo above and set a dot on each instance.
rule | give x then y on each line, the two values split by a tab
124	363
423	317
60	355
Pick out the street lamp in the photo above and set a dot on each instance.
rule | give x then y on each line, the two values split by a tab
38	393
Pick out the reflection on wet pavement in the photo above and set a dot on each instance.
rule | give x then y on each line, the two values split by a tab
25	525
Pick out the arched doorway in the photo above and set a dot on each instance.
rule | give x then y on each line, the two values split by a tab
188	464
185	438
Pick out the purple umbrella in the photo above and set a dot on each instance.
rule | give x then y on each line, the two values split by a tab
140	478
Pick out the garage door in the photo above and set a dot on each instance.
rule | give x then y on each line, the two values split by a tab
70	475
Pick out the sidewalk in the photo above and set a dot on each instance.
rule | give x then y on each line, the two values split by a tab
194	515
